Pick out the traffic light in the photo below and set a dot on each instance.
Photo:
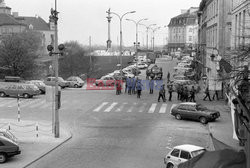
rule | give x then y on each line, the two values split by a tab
61	48
50	48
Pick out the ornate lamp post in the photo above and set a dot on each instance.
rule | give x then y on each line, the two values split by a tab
120	18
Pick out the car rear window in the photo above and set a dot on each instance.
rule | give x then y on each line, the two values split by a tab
198	152
185	155
175	153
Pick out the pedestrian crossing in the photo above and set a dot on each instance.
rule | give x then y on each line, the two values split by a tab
150	108
106	107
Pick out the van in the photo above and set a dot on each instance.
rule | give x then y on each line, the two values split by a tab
8	145
18	89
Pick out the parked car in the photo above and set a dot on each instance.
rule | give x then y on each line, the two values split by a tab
40	84
18	89
8	145
50	81
75	81
105	81
182	153
194	111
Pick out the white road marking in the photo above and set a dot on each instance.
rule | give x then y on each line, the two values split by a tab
131	108
152	108
8	102
163	108
110	107
121	107
142	108
101	106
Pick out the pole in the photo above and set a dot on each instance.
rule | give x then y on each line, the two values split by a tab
56	75
121	42
147	37
18	108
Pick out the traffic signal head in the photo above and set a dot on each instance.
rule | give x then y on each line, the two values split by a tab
50	48
61	47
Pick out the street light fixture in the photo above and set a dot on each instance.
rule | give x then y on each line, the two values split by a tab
120	18
148	27
136	39
154	36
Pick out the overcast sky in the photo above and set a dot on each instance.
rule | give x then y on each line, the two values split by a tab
80	19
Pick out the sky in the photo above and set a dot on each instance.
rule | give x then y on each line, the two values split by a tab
81	19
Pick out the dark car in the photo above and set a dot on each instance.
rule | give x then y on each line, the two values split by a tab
8	145
194	111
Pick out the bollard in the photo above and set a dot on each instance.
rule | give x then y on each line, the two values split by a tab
37	130
9	126
18	108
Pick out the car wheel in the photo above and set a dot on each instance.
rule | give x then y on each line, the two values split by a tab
75	86
2	94
26	95
203	120
2	157
178	116
170	165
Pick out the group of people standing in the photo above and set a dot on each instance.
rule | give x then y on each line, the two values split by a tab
184	94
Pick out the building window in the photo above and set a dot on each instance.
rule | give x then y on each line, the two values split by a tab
190	38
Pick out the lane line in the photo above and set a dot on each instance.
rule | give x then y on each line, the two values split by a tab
101	106
163	108
142	108
121	107
110	107
152	108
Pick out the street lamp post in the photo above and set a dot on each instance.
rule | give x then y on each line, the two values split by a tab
136	37
120	18
154	36
148	27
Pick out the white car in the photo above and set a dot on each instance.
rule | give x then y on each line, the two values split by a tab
182	153
142	65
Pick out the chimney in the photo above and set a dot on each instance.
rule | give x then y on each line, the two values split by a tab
15	14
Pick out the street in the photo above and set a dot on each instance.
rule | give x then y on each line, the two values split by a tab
111	130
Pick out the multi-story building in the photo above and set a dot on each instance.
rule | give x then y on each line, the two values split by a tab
214	40
12	23
240	29
183	31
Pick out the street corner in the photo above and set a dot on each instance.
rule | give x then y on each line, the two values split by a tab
35	140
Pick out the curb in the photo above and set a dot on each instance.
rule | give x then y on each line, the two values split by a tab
52	149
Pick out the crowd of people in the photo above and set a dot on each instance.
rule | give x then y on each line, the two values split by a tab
136	86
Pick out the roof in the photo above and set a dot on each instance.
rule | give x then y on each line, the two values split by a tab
6	19
188	147
37	22
183	19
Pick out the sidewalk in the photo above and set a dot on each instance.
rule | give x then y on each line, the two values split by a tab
32	147
222	129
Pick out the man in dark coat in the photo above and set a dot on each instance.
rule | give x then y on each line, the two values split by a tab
151	86
192	94
170	91
162	93
207	95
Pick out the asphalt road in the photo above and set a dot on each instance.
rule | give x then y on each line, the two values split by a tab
112	131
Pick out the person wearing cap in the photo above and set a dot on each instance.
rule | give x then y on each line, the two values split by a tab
162	93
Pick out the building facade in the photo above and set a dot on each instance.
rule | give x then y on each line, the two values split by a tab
240	29
214	40
12	23
183	31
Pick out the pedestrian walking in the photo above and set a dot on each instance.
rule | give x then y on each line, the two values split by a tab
181	92
139	88
126	85
170	91
130	83
207	94
216	95
178	90
162	93
185	94
168	77
192	94
118	87
151	86
133	85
